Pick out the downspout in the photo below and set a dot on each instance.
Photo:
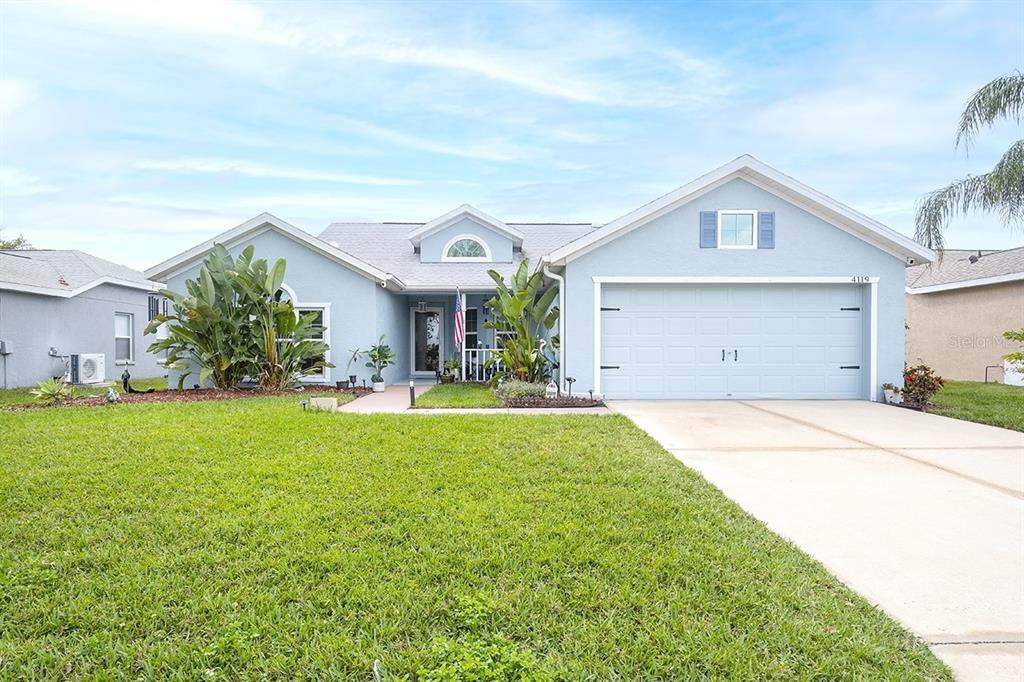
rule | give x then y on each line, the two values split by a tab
561	324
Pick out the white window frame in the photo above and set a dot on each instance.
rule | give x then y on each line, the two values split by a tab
130	337
325	310
475	332
738	211
486	258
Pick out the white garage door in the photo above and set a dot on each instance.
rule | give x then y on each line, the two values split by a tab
732	341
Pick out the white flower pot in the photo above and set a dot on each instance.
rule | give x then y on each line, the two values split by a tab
892	397
379	386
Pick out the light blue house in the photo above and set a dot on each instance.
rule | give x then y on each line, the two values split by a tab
68	313
741	284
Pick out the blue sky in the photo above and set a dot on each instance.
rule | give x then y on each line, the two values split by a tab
136	130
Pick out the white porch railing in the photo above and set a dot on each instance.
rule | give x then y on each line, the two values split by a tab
474	361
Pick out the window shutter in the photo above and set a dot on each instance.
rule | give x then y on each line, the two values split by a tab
766	230
709	229
154	307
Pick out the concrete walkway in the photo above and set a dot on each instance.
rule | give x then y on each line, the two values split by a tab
921	514
396	399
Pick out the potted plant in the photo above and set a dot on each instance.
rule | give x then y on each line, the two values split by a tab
892	394
451	369
380	356
356	353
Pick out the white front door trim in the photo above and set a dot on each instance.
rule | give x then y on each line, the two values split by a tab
853	280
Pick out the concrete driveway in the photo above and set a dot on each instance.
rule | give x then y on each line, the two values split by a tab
921	514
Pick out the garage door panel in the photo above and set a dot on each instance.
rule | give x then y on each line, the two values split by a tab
780	341
680	326
648	326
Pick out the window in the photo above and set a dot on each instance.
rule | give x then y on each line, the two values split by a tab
466	248
736	229
472	336
320	334
124	340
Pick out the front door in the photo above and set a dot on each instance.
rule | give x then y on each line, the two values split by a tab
427	342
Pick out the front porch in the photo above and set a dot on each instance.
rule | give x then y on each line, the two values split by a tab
431	337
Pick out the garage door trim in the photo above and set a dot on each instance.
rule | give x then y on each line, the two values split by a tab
853	280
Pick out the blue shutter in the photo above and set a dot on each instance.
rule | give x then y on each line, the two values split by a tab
766	230
709	229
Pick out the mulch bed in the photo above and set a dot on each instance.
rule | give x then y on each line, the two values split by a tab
561	401
188	395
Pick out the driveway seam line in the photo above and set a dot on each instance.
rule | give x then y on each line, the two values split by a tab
980	481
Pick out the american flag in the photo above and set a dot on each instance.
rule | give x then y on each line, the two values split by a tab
460	320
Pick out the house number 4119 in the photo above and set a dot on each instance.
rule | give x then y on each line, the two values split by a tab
860	279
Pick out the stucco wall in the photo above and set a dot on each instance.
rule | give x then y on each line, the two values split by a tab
500	246
959	332
31	324
356	312
804	246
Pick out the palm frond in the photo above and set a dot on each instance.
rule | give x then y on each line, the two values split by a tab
1001	98
1001	190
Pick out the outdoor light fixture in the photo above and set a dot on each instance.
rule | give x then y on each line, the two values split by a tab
570	381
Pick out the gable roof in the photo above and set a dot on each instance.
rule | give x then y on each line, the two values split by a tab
767	178
258	225
955	270
417	234
65	273
387	246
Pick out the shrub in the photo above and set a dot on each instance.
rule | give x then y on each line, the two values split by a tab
53	391
920	383
507	390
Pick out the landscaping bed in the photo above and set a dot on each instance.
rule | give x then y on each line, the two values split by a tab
476	395
240	540
189	395
558	401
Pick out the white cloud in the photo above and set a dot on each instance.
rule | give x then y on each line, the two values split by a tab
222	17
14	94
867	117
495	149
14	182
256	170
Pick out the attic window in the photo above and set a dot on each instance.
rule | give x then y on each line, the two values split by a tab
466	248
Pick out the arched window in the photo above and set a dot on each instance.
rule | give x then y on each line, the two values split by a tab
466	248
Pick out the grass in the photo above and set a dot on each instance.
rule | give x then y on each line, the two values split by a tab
458	395
248	539
995	404
20	396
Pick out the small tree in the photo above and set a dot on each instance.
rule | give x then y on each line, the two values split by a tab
1016	357
19	243
208	327
232	324
523	312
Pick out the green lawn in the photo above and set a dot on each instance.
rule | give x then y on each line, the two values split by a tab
458	395
995	404
248	539
18	396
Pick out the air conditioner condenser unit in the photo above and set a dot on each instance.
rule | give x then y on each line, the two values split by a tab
88	368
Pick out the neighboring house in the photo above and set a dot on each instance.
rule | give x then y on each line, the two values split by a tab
958	308
57	303
742	284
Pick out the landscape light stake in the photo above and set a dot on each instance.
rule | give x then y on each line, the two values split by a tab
570	381
412	393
